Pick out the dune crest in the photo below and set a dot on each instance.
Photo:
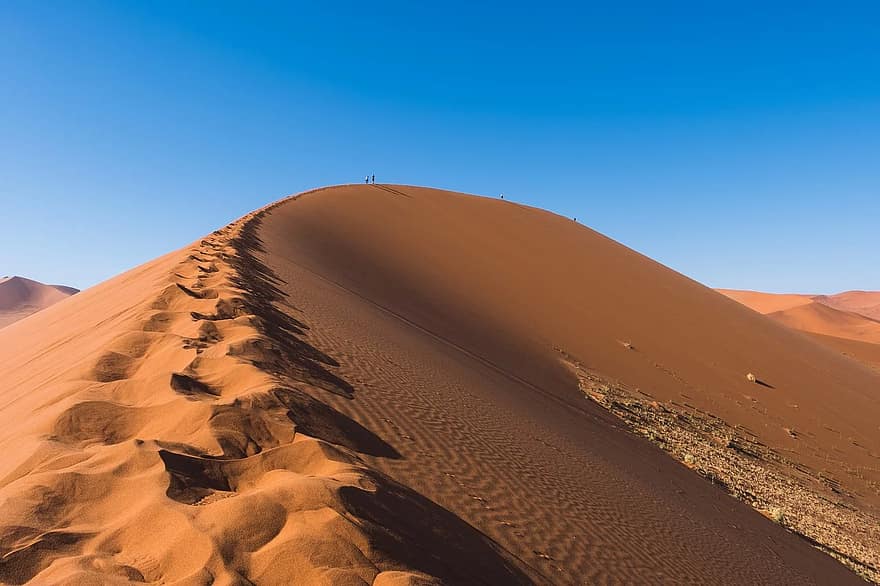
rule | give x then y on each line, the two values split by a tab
183	444
865	303
843	322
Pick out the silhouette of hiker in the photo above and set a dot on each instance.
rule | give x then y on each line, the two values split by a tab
374	179
366	179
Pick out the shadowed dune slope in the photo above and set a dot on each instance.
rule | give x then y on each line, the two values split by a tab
20	297
457	320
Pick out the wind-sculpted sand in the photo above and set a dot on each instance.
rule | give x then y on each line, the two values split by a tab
163	428
384	385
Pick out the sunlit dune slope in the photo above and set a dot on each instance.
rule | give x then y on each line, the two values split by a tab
820	319
866	303
159	428
767	302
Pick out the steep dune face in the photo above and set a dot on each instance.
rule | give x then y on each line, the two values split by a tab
525	299
385	385
162	428
20	297
516	285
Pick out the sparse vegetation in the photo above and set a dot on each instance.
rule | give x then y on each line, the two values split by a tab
814	506
776	514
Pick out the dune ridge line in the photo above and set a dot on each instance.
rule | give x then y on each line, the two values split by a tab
192	450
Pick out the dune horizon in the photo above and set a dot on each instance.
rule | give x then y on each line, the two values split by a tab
844	322
21	297
391	384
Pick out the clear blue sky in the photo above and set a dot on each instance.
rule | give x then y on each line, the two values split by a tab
738	143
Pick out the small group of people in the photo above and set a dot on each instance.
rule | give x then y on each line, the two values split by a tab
370	179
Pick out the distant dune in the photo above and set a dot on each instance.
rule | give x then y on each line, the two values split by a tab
833	319
387	385
767	302
821	319
20	297
866	303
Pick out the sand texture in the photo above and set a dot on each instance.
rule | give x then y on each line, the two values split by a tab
395	385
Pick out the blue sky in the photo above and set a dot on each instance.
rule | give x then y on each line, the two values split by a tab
736	143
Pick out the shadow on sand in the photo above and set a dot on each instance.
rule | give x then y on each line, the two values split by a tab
410	529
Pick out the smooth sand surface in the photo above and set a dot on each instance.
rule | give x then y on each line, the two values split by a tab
866	303
843	322
20	297
818	318
374	385
866	352
767	302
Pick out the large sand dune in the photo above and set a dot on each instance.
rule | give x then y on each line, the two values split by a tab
768	302
20	297
395	385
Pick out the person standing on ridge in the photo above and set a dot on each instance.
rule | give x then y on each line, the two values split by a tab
366	179
374	179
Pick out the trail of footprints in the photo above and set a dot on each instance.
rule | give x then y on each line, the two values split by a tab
195	477
213	388
221	394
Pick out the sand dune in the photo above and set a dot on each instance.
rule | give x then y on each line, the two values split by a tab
819	318
866	303
525	294
395	385
767	302
20	297
826	317
866	352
